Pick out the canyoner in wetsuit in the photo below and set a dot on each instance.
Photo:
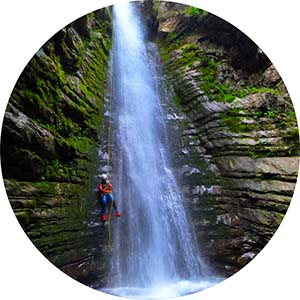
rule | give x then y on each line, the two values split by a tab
106	196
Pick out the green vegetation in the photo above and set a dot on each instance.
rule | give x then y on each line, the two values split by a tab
67	101
60	91
42	184
241	122
196	12
156	4
56	170
177	101
193	11
293	134
235	123
192	56
223	92
80	144
208	67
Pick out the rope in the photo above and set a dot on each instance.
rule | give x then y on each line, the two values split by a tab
108	166
109	133
108	228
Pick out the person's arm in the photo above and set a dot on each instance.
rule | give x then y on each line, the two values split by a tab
109	188
101	189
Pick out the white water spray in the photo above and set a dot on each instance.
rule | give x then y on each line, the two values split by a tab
155	252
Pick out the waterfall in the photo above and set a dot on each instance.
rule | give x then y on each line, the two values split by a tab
155	253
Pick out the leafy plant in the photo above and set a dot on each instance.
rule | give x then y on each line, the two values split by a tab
193	11
270	114
257	114
196	12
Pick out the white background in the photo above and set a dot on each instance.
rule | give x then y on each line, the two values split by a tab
25	25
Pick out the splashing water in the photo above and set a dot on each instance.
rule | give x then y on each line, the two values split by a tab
155	251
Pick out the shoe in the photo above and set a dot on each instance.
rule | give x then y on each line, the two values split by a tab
103	217
118	214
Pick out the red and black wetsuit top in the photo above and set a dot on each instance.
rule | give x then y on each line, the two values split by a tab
105	187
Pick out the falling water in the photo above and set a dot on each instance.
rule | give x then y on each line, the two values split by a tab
155	253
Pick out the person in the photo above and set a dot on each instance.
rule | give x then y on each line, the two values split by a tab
105	193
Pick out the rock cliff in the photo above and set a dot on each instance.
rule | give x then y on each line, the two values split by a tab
48	147
236	156
240	143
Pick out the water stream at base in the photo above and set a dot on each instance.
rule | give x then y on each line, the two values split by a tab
155	253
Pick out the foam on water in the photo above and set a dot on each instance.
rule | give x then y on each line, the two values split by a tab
163	290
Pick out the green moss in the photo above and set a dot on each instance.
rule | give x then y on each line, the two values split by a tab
254	154
196	12
56	170
190	53
171	36
33	98
66	126
24	217
81	144
208	82
57	202
224	92
292	135
177	101
245	121
59	72
172	41
41	184
254	90
193	11
287	120
85	90
235	123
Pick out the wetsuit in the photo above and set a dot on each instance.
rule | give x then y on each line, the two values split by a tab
105	191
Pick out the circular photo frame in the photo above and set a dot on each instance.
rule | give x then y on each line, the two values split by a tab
150	150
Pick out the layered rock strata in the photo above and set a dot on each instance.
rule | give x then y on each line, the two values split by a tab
49	144
237	156
240	145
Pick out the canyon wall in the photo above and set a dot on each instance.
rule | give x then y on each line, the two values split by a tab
49	144
240	142
236	156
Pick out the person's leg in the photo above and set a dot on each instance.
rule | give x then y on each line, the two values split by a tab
104	202
112	201
114	205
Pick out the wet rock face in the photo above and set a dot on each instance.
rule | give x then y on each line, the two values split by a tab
237	154
239	145
176	20
149	17
48	145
